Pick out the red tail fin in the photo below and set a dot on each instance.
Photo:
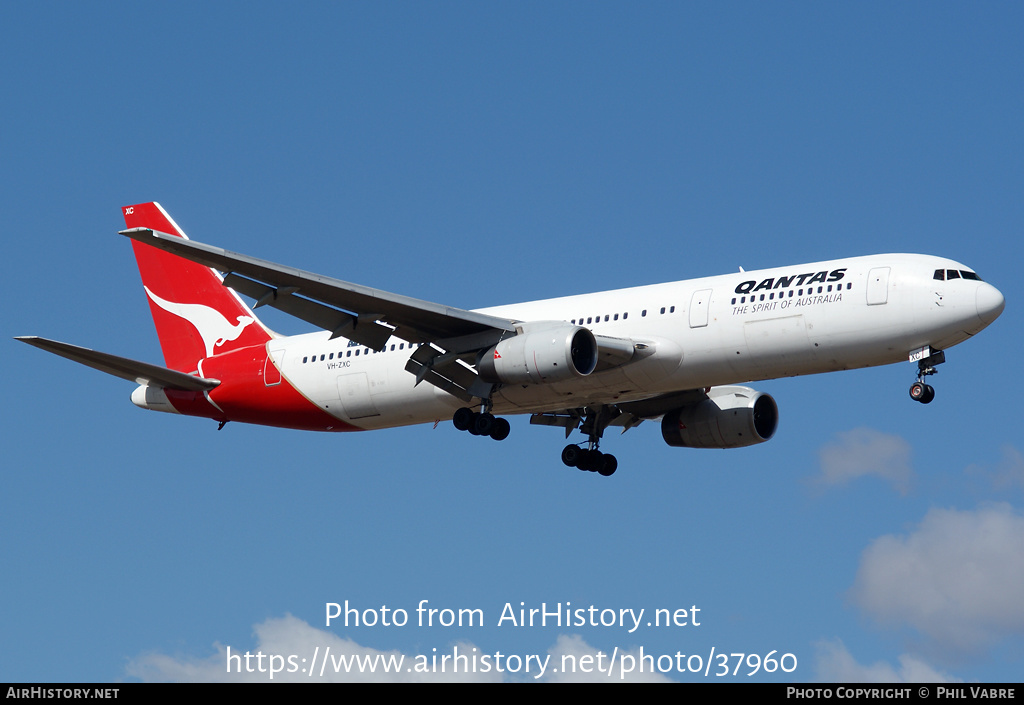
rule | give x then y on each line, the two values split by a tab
196	316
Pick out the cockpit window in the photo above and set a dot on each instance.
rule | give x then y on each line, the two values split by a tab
947	274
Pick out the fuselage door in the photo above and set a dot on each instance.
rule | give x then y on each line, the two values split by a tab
354	391
272	368
878	286
699	308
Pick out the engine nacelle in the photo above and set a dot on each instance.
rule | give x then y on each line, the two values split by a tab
731	417
542	353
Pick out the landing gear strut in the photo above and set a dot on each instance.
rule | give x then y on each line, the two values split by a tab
919	390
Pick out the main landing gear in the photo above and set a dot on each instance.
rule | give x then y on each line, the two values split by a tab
919	390
591	460
481	423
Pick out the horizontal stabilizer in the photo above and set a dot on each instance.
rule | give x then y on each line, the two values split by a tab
132	370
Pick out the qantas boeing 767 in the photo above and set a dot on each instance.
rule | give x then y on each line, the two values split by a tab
673	352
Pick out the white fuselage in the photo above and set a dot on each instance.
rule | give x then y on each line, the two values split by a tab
698	333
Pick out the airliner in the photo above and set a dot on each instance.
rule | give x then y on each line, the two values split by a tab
678	352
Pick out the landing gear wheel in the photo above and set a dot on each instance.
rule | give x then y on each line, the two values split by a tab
586	461
571	455
608	465
463	418
500	429
929	394
917	391
482	424
924	393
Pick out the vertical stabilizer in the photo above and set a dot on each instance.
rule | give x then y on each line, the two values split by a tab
196	316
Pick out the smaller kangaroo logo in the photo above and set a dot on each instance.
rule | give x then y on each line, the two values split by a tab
213	327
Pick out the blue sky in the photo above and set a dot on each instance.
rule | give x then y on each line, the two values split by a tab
477	154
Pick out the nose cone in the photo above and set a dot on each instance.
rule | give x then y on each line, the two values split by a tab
990	302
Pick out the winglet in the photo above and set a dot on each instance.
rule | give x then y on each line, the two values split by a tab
151	216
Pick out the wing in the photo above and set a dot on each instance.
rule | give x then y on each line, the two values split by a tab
123	367
365	315
449	338
360	313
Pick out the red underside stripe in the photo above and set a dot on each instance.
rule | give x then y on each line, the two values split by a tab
242	396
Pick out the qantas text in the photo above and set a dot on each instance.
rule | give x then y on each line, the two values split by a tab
750	287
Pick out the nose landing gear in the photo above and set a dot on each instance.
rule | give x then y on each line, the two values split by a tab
919	390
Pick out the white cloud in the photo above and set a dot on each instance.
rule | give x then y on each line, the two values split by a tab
957	578
1007	474
569	650
835	664
865	452
288	645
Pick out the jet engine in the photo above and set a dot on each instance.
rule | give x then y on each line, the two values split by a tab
541	353
731	417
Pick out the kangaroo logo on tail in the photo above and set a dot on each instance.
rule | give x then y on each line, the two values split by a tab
214	328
